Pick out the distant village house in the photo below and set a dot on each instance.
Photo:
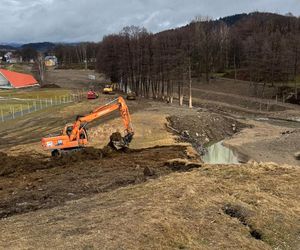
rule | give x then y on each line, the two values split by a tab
51	61
9	57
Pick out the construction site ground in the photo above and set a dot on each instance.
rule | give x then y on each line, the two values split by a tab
143	198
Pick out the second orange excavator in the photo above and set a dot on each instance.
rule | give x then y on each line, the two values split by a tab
74	136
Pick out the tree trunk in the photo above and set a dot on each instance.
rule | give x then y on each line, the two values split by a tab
235	71
190	85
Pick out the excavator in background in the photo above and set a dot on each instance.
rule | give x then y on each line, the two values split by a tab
110	88
74	136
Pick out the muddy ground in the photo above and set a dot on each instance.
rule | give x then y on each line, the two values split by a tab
32	183
133	200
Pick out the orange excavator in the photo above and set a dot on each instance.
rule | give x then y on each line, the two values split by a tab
74	136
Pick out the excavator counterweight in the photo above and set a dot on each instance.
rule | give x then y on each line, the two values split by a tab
74	136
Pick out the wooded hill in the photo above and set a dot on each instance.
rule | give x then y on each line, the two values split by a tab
259	47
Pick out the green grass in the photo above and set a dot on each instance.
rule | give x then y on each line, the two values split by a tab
14	107
21	68
29	99
34	94
292	83
219	74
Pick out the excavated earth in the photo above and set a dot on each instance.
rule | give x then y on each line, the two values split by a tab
205	127
35	182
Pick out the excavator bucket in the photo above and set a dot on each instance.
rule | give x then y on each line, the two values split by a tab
118	142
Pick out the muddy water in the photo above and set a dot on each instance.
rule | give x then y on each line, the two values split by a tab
219	154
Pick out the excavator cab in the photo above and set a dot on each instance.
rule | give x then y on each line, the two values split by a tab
68	130
82	133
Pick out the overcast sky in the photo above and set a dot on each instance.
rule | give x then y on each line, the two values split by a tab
89	20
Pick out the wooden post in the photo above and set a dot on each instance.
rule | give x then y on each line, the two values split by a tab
13	112
41	104
28	107
21	107
46	102
35	106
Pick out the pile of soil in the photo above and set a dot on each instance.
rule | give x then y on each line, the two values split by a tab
30	183
204	128
50	86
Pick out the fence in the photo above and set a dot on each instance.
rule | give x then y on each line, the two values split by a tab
15	107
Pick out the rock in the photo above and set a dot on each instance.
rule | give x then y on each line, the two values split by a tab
297	156
233	127
182	164
185	133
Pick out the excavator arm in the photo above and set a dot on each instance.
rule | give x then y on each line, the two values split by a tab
117	104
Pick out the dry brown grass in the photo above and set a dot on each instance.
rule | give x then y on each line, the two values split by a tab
214	207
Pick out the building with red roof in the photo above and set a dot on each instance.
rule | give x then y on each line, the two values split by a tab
10	79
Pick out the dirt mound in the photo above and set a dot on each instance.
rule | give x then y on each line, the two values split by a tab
22	164
50	86
34	182
88	153
204	128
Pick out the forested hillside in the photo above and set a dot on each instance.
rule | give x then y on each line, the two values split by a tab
259	47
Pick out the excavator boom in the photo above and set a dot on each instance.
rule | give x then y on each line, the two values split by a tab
75	136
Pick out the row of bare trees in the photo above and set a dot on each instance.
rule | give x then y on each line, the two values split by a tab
82	54
259	47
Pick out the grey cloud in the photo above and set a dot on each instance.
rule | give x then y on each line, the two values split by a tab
90	20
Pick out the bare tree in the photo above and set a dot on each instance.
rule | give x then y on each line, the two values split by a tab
41	69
